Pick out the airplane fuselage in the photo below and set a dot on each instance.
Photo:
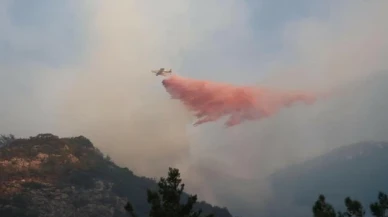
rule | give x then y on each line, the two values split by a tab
161	71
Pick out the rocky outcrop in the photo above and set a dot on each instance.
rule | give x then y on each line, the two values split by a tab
46	200
47	176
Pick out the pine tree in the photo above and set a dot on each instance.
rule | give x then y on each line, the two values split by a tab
354	208
323	209
167	200
379	208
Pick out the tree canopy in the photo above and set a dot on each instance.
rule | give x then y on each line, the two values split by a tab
354	208
167	199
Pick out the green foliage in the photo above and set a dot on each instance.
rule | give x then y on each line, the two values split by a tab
45	136
167	200
80	179
81	141
32	185
108	158
18	212
128	207
6	139
20	200
16	206
354	208
80	202
323	209
380	207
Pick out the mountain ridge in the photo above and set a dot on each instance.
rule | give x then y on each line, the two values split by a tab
356	170
72	178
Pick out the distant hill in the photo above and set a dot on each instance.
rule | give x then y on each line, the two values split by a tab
50	176
357	170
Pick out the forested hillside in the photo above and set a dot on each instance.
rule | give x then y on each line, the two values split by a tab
356	170
50	176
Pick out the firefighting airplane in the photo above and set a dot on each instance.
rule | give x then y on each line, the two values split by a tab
161	71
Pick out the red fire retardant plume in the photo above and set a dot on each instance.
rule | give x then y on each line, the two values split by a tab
211	101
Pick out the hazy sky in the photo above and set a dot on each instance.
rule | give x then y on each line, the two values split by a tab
83	67
232	42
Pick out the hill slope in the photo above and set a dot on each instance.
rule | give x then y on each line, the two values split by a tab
50	176
357	170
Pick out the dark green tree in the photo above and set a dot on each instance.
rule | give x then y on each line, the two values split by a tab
128	207
6	139
380	207
354	208
167	200
323	209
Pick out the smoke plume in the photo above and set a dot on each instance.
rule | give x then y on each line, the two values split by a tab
211	101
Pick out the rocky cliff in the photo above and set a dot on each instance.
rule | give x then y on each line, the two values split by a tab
49	176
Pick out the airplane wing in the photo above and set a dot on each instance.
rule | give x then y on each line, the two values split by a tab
161	70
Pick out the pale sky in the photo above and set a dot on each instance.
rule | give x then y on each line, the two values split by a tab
55	34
